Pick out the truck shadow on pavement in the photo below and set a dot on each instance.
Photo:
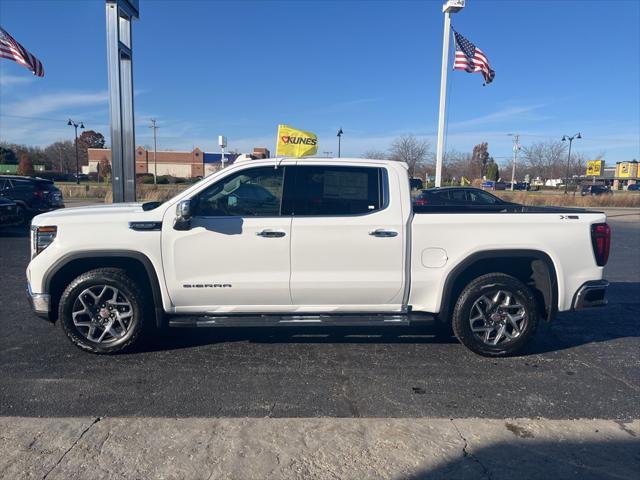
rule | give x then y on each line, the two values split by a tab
535	459
14	232
569	330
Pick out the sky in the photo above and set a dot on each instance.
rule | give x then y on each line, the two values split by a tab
240	68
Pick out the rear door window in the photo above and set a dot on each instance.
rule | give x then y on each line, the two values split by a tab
335	190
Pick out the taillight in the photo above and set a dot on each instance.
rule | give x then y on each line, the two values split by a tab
421	202
601	241
38	193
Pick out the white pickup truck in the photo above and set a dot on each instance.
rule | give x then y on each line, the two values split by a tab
313	241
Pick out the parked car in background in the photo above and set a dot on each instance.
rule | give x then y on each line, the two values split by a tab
457	196
416	184
595	190
519	186
634	188
8	212
32	195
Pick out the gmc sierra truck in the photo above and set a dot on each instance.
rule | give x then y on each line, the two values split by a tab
313	241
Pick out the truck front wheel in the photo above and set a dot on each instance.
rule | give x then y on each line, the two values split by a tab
495	315
102	310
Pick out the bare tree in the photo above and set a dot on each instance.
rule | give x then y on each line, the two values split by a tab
456	165
411	150
375	155
546	159
61	156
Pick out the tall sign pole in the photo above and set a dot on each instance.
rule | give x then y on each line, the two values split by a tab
450	6
120	13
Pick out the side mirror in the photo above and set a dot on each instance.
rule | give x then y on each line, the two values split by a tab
183	215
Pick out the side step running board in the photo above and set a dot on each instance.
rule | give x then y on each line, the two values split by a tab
296	320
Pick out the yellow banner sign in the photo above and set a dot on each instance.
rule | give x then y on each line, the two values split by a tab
595	168
295	143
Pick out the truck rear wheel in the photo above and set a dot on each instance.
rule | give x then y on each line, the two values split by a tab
495	315
102	311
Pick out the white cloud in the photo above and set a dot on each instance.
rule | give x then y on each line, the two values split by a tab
54	102
524	112
7	80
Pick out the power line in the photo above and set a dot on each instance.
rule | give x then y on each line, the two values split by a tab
33	118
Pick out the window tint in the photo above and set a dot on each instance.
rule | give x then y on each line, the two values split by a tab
482	197
334	190
255	192
458	195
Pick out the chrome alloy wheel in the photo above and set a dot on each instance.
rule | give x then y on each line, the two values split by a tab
102	314
497	318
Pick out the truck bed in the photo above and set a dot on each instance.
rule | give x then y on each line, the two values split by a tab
513	208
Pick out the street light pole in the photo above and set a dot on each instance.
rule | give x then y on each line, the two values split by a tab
564	139
339	135
75	126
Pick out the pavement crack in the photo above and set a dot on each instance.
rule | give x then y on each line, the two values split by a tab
353	408
96	420
606	373
469	455
624	428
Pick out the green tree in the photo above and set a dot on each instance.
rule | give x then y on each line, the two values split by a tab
7	155
493	171
480	159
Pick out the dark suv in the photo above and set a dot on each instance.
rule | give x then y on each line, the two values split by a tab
595	190
32	195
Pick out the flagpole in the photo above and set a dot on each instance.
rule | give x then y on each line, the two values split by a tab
451	6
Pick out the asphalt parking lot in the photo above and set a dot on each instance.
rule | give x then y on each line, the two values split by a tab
585	365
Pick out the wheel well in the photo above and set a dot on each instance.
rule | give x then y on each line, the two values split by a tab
534	269
137	269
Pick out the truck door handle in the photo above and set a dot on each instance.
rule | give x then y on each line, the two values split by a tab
380	232
270	233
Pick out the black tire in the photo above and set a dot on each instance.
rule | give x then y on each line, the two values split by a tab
95	279
22	216
493	309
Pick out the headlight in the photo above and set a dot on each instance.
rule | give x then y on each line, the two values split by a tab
41	238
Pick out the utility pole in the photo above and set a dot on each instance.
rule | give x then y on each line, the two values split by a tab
327	154
516	148
155	151
451	6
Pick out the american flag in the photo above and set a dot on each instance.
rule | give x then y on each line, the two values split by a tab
471	59
12	50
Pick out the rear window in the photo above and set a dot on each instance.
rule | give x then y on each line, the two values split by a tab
334	190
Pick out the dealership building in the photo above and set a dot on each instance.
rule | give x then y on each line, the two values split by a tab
195	163
619	177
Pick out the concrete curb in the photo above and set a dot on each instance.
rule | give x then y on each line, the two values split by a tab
317	448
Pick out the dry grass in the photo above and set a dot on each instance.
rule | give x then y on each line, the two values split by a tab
617	199
83	191
149	193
